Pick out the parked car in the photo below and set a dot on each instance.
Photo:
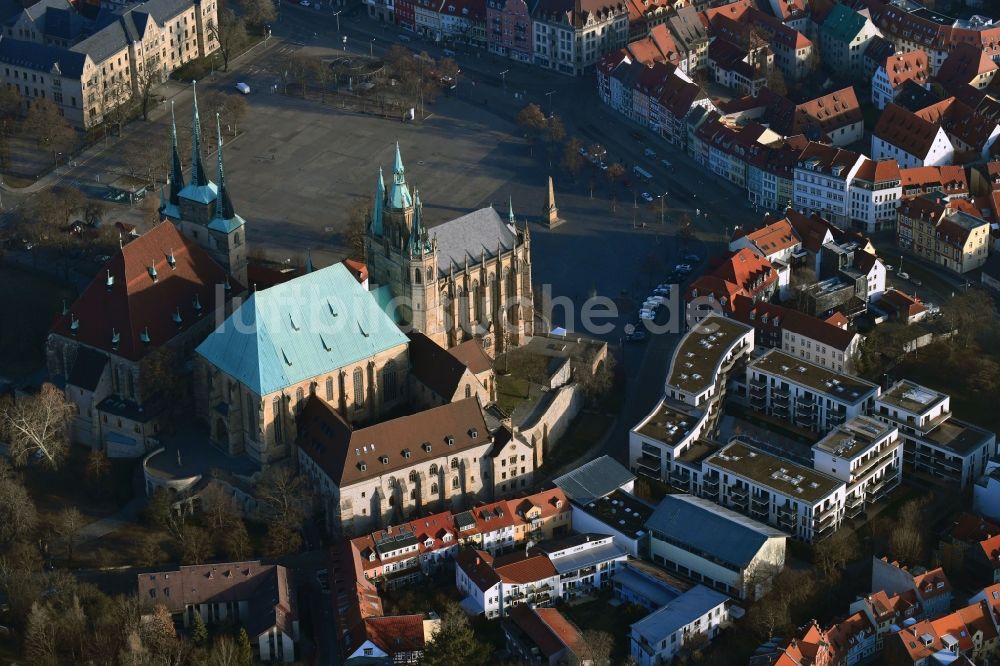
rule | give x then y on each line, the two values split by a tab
305	3
647	197
649	152
888	268
647	314
666	163
683	268
662	292
243	88
903	275
916	282
583	152
636	336
692	257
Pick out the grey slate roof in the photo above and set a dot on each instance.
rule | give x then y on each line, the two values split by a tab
710	531
593	480
471	235
40	57
679	613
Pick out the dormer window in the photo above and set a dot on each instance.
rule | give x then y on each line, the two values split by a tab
110	282
115	339
473	433
406	453
171	260
152	272
384	460
196	304
363	467
427	447
144	336
449	440
177	317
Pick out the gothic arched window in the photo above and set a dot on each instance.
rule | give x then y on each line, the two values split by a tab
389	380
359	388
276	413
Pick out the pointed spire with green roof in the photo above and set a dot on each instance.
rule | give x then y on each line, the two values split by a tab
198	178
379	202
399	195
225	218
510	209
176	170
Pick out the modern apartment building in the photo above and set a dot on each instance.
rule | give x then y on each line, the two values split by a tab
799	500
936	445
806	395
88	66
864	453
704	360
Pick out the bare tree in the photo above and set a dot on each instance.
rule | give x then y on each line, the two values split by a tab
48	127
572	161
231	33
145	82
281	540
67	528
18	517
236	543
37	425
258	13
833	553
596	648
283	497
40	636
532	121
196	545
218	508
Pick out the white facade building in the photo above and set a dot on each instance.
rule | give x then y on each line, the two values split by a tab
658	637
805	394
822	179
936	445
806	503
867	455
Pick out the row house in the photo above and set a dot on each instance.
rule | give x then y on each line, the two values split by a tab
888	80
949	181
775	240
937	446
560	569
932	588
86	67
800	335
771	173
804	394
656	46
401	554
843	37
709	354
453	21
794	53
875	193
509	30
729	148
867	455
690	35
914	27
697	614
972	134
888	612
934	229
745	274
850	642
822	179
969	632
572	38
542	636
967	65
833	117
644	16
910	139
805	503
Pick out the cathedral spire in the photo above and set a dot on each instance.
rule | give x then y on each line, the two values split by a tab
510	210
309	261
416	235
223	204
397	165
176	171
198	178
377	206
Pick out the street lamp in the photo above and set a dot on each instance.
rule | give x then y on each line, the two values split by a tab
662	198
371	48
503	79
549	95
337	15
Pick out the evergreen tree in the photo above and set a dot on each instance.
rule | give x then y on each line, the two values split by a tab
199	633
246	650
455	643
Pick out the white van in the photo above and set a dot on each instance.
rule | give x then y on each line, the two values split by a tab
449	53
243	88
641	173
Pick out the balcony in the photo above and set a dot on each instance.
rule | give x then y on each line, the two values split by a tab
648	467
739	492
787	521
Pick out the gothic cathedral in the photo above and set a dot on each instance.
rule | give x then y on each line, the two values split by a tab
469	278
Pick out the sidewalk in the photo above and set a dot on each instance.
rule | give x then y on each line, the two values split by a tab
169	91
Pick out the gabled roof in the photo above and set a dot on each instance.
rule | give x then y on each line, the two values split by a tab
880	171
678	614
467	238
471	354
906	130
137	307
306	327
393	634
901	303
348	456
547	628
728	538
434	367
774	237
910	66
594	479
965	63
843	24
763	315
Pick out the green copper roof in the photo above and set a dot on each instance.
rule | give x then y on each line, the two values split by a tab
399	193
304	328
843	24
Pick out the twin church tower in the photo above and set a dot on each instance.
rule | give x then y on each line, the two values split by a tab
469	278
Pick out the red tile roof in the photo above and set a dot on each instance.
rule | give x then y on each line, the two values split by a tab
517	569
394	634
471	354
991	550
964	64
932	584
764	315
949	180
970	528
845	635
881	171
901	303
902	67
137	305
358	269
548	502
906	130
774	237
547	628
